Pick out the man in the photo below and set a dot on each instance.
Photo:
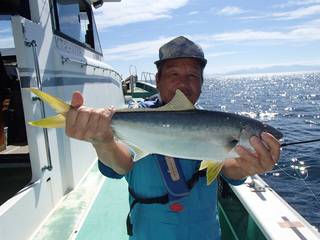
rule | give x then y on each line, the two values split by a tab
157	212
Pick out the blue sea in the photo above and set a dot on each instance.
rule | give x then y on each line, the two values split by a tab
290	103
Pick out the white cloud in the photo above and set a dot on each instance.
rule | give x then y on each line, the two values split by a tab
146	49
254	17
230	10
129	11
298	13
303	33
219	54
194	22
286	15
296	3
138	50
193	13
247	35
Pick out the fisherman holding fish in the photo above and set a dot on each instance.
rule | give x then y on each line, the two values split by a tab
171	197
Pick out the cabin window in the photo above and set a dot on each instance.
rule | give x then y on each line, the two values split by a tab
75	20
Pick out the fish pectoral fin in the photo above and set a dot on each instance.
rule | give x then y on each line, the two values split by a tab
204	164
213	169
178	103
138	153
57	121
57	104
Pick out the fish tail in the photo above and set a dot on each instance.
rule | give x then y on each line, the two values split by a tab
57	121
60	106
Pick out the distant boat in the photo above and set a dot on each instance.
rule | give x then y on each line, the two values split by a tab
50	186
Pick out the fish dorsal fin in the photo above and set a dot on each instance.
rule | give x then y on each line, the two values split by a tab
178	103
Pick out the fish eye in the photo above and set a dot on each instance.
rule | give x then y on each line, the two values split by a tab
234	142
231	144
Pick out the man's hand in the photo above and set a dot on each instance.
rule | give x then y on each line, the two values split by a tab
94	125
89	124
266	155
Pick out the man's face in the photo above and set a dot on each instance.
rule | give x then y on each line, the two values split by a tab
183	74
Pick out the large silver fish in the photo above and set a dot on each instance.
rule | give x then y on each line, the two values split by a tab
177	129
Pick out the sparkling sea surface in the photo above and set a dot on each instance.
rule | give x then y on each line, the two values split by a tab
291	103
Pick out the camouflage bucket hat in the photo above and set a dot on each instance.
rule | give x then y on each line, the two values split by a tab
181	47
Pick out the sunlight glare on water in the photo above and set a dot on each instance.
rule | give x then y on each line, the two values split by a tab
290	103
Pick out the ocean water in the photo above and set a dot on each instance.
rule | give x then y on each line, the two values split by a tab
290	103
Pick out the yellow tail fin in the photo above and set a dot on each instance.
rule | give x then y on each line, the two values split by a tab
57	104
57	121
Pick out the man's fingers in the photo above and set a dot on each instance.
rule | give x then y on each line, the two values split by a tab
93	123
81	123
77	122
77	100
273	144
72	114
105	119
71	118
264	155
249	161
88	124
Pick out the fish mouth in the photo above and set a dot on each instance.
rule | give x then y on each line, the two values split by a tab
276	133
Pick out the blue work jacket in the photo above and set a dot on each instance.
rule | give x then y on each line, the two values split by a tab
198	215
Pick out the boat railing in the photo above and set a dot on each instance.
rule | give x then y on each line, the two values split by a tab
111	72
148	77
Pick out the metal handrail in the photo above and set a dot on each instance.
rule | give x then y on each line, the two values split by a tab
33	45
82	63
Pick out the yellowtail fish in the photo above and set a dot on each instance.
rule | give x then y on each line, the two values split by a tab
176	129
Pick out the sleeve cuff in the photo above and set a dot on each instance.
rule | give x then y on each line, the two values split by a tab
234	182
107	171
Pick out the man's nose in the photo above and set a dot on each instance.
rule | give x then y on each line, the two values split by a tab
182	86
182	81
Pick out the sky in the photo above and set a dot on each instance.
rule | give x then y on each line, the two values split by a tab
237	36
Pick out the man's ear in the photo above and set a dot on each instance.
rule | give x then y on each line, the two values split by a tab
157	80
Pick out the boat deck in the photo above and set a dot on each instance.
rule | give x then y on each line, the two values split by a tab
95	209
107	217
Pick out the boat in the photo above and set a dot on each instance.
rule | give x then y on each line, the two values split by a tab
50	184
